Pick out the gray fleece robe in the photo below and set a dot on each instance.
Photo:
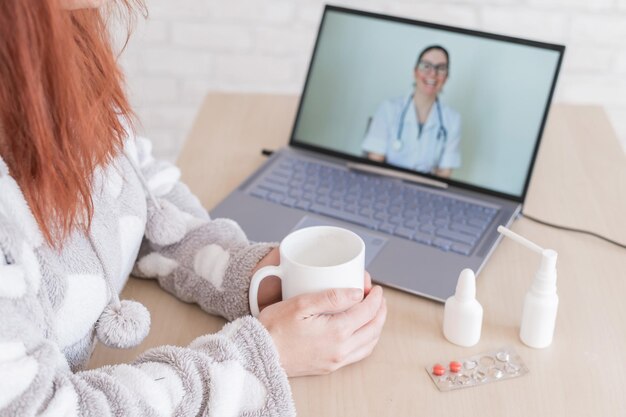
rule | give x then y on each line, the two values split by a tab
52	304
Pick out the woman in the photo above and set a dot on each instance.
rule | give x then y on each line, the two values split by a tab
82	203
417	131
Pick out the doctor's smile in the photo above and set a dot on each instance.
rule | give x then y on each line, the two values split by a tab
431	71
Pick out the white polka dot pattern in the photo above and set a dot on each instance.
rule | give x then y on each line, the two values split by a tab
85	298
156	265
210	263
131	229
226	401
12	281
154	392
169	382
18	371
163	182
64	403
45	337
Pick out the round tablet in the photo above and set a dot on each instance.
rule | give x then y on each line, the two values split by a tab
439	370
455	366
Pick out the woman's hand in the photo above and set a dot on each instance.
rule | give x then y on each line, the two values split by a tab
318	333
270	288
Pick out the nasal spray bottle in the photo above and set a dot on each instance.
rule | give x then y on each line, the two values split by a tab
541	302
463	314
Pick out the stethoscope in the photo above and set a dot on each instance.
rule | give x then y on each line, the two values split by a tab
442	133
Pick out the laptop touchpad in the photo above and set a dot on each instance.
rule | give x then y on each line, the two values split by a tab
373	244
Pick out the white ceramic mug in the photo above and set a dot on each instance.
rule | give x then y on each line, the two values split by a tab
315	259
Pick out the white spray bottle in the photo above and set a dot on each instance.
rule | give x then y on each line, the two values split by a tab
463	314
541	302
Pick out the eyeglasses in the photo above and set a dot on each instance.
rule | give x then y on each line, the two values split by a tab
426	67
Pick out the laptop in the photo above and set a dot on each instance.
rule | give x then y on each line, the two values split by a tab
419	137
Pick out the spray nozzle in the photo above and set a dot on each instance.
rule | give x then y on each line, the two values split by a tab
519	239
546	275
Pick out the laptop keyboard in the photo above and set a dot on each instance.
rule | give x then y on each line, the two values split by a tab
377	203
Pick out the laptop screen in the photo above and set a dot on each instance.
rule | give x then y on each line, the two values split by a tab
463	106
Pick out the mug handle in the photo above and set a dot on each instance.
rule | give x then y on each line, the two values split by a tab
258	276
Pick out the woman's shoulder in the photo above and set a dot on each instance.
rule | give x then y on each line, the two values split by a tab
394	104
449	113
399	100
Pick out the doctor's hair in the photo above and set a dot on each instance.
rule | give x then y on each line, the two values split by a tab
430	48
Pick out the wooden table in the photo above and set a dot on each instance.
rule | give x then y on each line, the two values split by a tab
579	180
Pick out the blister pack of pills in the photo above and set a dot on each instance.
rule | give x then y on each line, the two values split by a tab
479	369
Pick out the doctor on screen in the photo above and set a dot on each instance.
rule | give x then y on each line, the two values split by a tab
417	131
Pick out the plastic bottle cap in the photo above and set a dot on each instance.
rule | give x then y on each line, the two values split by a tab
466	286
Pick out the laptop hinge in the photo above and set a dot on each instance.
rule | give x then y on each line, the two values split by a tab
395	174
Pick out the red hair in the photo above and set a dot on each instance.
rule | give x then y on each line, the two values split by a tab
62	107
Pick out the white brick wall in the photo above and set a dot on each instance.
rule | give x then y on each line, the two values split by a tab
188	47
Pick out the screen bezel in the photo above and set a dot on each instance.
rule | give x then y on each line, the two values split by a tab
293	141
